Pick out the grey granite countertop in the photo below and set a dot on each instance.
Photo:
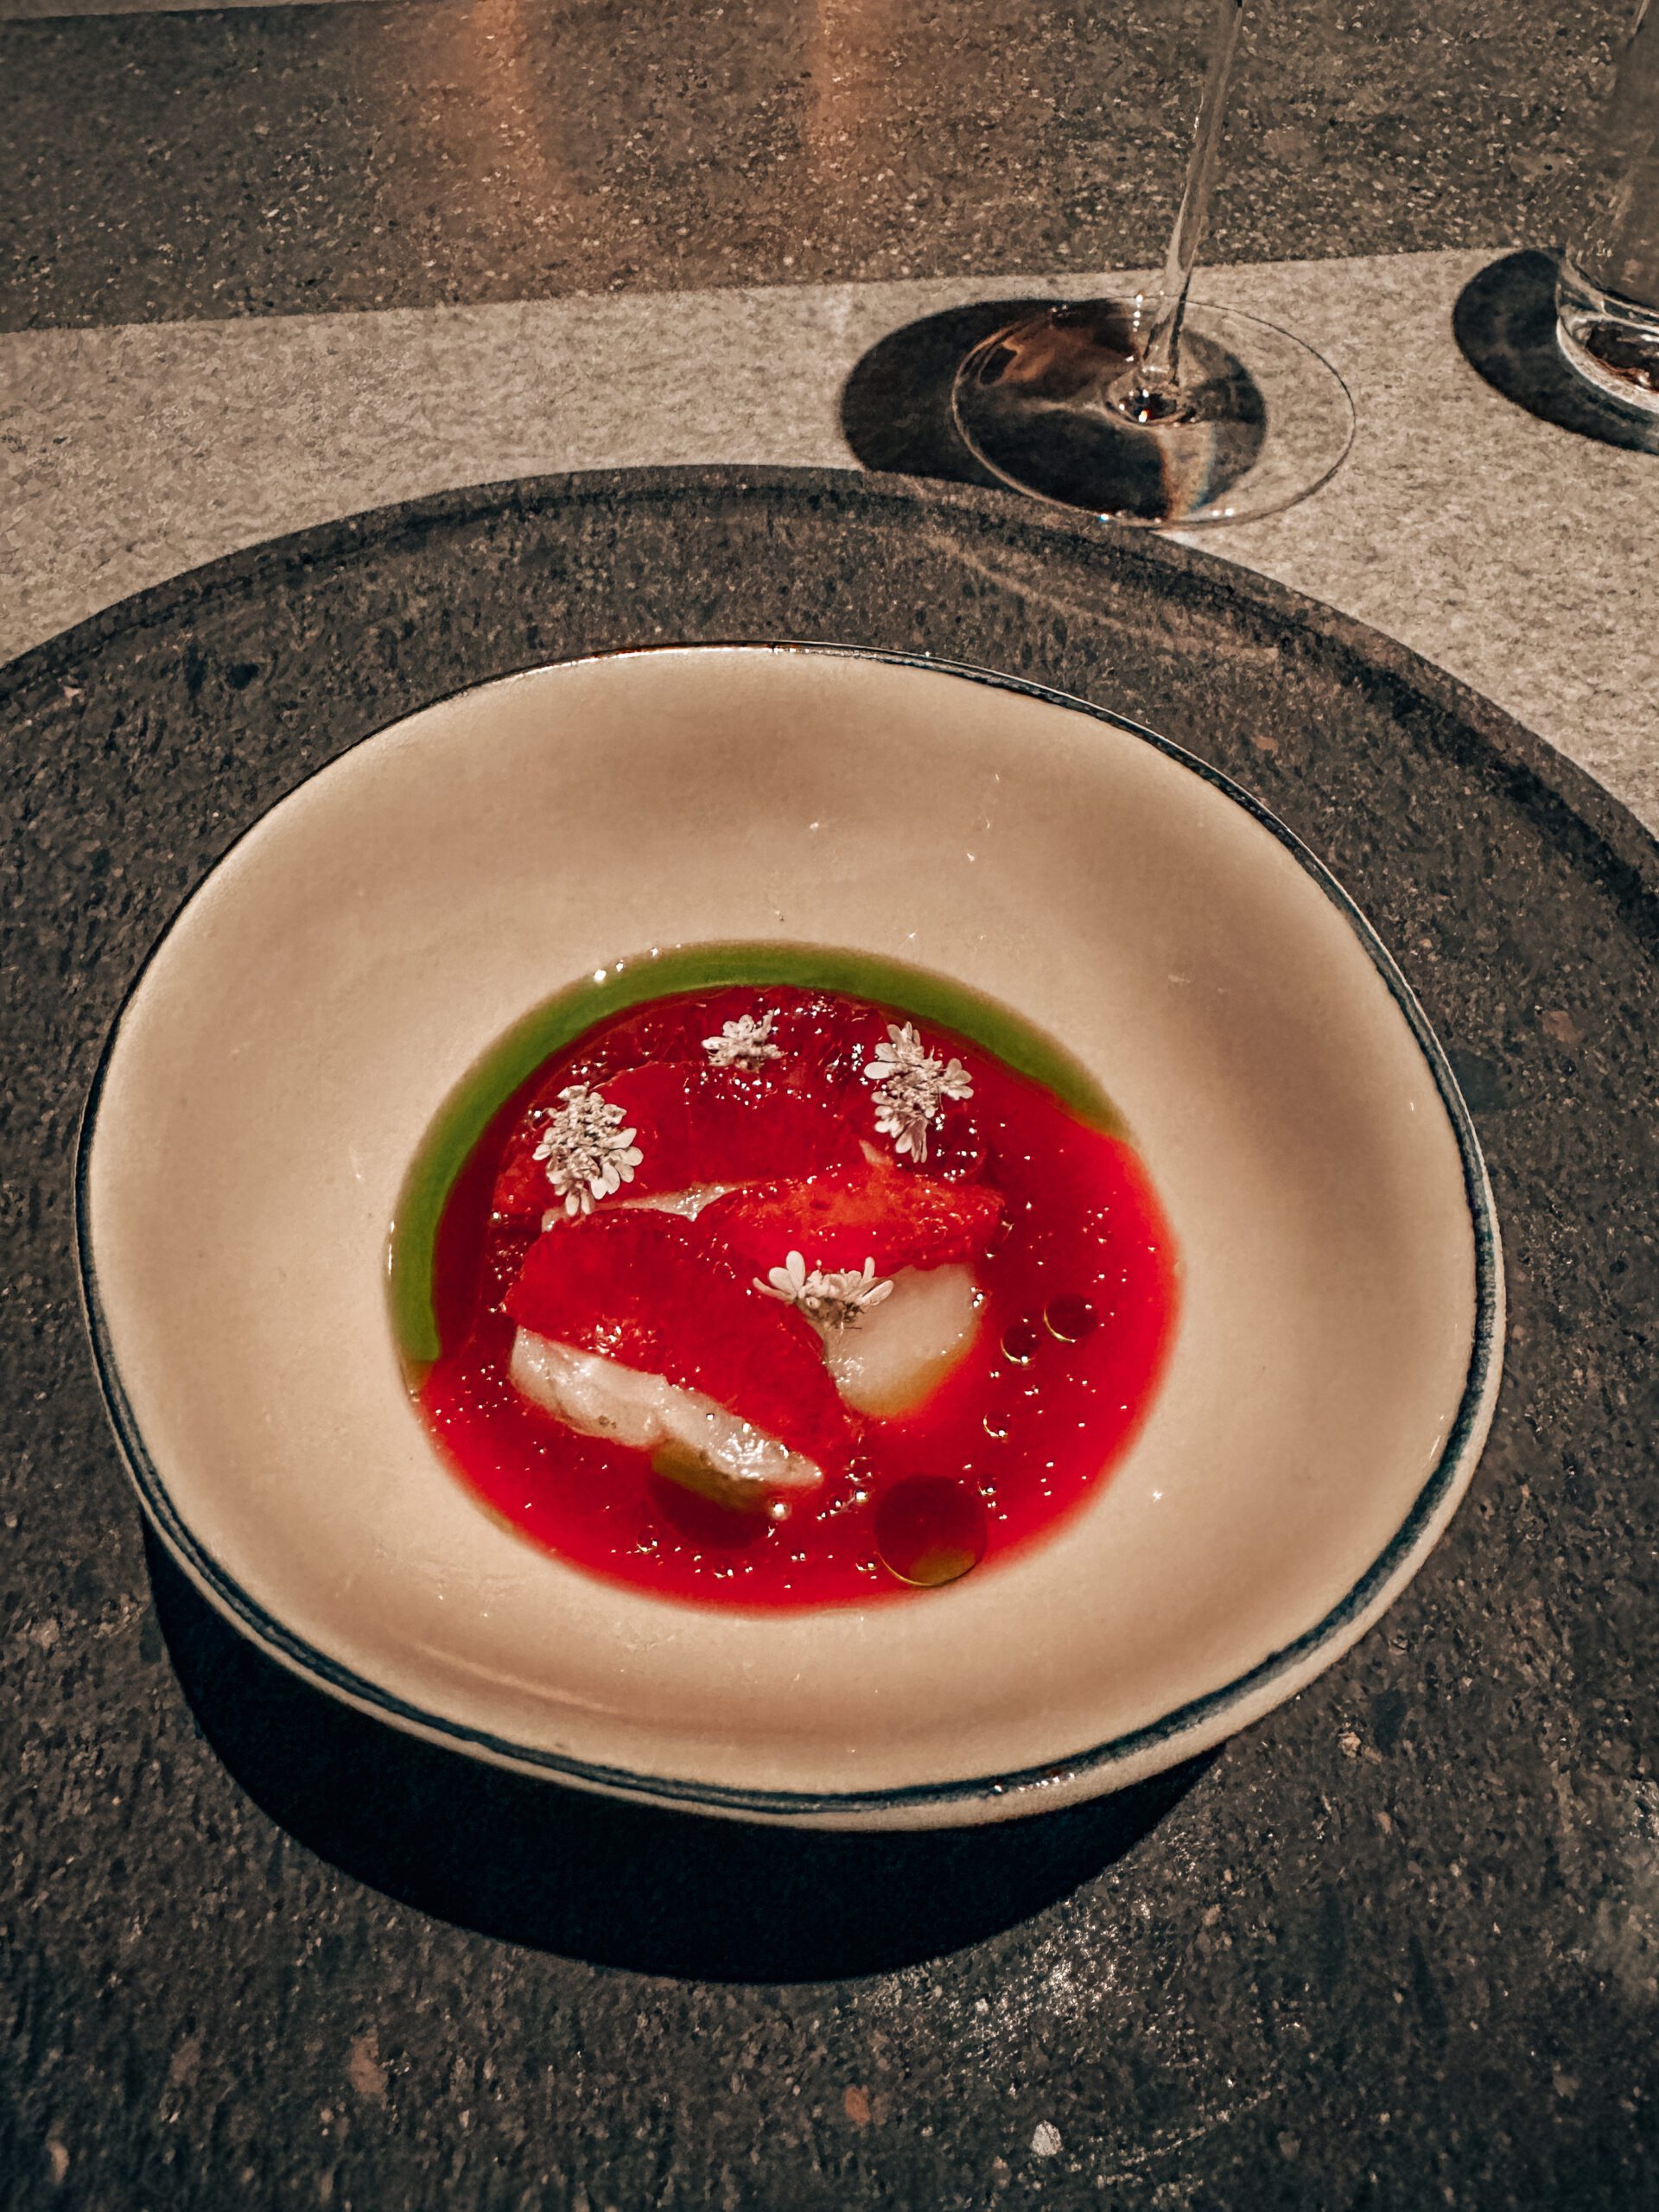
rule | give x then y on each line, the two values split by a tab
295	159
1521	557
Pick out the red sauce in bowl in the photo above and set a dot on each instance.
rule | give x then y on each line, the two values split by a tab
1078	1299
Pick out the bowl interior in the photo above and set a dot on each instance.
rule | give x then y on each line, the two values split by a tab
331	982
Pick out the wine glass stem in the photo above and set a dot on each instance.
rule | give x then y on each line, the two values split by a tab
1158	364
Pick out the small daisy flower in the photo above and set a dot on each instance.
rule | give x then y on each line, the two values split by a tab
911	1085
589	1153
828	1301
745	1043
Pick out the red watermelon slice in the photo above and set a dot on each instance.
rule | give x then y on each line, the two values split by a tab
838	1221
693	1124
650	1291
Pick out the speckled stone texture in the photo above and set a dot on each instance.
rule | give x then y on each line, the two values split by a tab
28	10
282	160
1398	1947
1520	558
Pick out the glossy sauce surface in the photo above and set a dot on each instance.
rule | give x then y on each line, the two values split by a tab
1078	1305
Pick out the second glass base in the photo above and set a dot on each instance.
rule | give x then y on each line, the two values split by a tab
1264	420
1612	341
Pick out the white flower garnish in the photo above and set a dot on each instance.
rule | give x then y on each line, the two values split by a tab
588	1153
744	1043
828	1301
912	1084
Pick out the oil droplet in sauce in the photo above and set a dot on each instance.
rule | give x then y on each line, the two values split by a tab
1070	1319
930	1530
703	1524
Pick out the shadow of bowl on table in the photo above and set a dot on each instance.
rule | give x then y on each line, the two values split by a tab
619	1884
1504	324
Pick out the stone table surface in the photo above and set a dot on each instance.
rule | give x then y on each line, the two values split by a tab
1397	1944
262	160
137	451
263	266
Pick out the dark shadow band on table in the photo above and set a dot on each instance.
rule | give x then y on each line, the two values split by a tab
534	1862
895	406
1025	407
896	412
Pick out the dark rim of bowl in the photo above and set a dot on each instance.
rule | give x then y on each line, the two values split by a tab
1053	1776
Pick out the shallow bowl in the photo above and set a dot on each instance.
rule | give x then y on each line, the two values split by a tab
327	986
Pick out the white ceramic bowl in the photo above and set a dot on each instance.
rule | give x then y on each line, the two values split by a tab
1337	1355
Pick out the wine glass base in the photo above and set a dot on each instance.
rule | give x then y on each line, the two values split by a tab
1265	420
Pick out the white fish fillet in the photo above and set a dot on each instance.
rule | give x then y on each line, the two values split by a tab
601	1397
888	1360
688	1204
884	1363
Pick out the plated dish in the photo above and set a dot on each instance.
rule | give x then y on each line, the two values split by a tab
764	1294
956	907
